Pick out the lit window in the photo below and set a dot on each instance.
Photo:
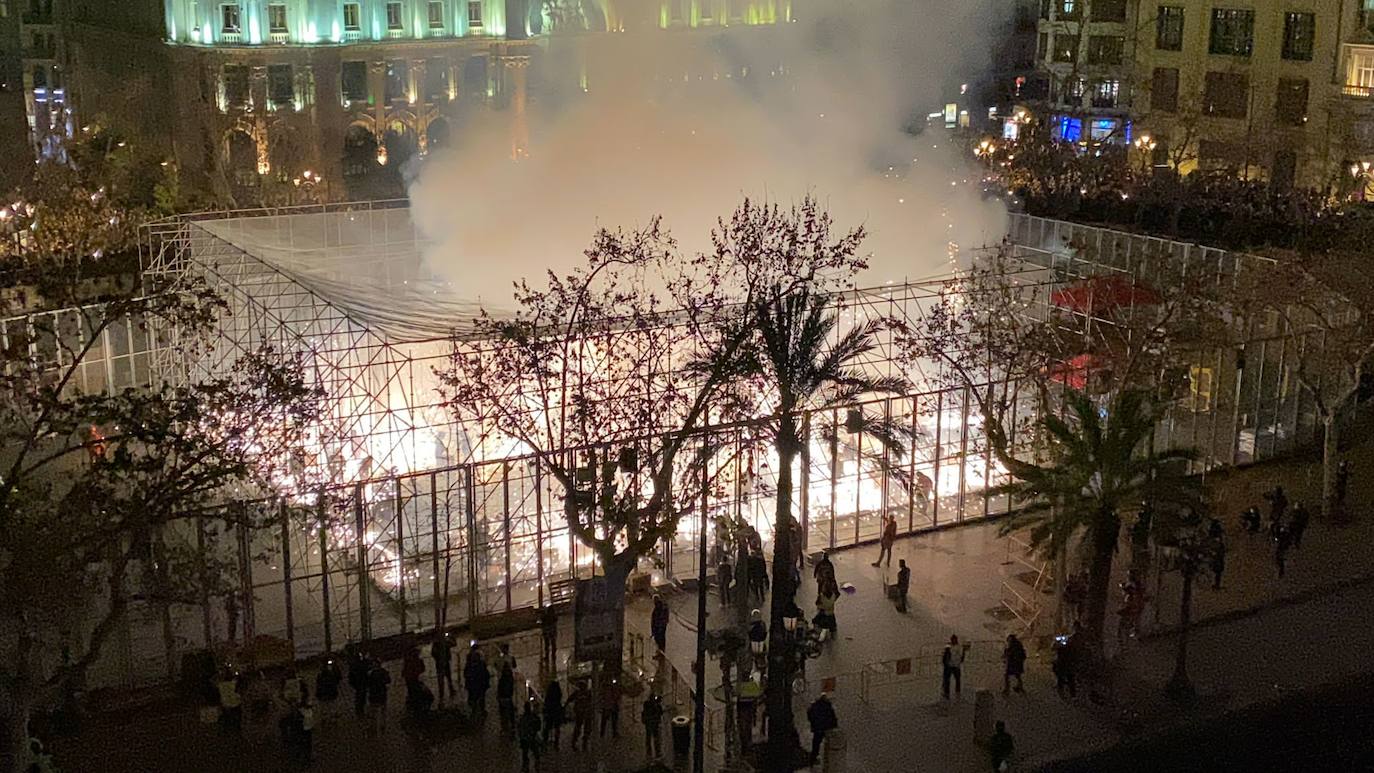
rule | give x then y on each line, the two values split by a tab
1169	28
474	13
393	16
229	18
436	15
276	18
1361	69
352	17
1105	93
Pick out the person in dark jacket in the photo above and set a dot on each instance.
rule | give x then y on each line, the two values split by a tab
548	630
725	574
658	623
441	652
477	680
652	717
527	734
378	683
505	696
1000	747
584	710
357	680
1297	524
553	713
611	692
822	717
903	584
1015	657
327	683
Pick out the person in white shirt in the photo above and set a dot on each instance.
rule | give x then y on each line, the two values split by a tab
953	662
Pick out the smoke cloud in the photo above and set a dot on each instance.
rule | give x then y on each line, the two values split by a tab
685	124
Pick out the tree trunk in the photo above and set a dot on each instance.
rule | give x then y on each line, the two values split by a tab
1099	583
782	733
16	701
1330	462
1180	687
14	754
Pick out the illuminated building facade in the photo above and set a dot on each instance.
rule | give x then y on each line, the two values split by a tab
248	95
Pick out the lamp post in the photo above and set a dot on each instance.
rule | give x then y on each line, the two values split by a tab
1146	145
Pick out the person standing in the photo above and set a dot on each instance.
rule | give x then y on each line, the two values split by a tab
658	623
826	595
1014	655
378	684
1297	524
327	683
306	726
1342	483
505	696
903	584
610	705
652	717
504	657
548	628
477	680
358	669
1283	540
1218	561
527	734
1000	748
230	700
821	716
1065	663
725	574
889	537
1278	504
441	652
952	661
823	568
583	709
412	666
553	713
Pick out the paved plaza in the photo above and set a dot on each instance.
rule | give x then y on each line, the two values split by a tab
1311	632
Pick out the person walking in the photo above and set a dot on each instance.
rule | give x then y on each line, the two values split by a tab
1283	540
652	717
1278	504
358	669
1014	656
1297	524
610	705
477	680
952	661
658	623
821	716
553	713
548	629
505	697
1000	747
903	584
1066	663
327	682
583	709
527	734
885	542
441	652
378	684
1218	561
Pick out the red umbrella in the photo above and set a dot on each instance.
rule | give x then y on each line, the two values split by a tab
1104	293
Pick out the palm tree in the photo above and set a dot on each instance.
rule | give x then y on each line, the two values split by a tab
809	367
1100	471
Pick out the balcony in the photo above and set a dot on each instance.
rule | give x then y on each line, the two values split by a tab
1358	92
279	37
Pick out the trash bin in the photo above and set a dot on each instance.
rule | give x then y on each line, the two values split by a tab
982	715
682	736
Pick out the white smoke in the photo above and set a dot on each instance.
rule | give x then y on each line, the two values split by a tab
685	124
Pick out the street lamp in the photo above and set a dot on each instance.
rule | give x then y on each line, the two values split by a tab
1146	145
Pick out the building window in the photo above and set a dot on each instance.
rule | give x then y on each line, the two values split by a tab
1169	28
1218	154
393	17
1105	93
436	14
353	81
1226	94
1367	14
1233	32
1291	103
1042	46
353	17
1105	49
235	85
1284	170
280	89
276	19
475	13
675	12
1360	71
229	18
397	80
436	80
1299	31
1108	10
1164	90
1065	48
